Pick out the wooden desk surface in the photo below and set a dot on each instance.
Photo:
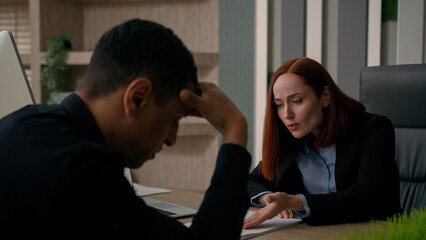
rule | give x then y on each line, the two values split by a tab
299	231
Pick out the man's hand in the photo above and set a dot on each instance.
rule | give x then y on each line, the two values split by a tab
276	203
219	110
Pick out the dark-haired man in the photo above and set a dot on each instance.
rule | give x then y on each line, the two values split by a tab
61	167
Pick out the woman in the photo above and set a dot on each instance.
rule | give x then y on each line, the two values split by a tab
324	157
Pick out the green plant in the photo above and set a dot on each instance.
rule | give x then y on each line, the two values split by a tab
389	10
57	51
400	226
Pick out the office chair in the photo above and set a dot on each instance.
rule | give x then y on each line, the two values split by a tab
399	93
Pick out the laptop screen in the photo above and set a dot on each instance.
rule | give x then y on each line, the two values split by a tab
15	91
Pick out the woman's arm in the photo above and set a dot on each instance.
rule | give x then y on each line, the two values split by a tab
258	184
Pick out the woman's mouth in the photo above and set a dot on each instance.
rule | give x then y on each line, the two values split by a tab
292	126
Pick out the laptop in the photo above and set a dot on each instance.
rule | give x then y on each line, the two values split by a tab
167	208
170	209
15	90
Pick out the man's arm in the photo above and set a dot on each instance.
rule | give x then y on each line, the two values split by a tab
216	220
219	110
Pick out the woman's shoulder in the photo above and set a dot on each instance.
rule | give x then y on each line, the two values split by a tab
369	121
372	118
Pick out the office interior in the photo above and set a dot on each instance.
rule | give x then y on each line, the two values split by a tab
236	44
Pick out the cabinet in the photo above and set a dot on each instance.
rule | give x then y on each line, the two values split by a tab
188	165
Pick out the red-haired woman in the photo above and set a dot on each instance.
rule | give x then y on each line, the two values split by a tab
324	157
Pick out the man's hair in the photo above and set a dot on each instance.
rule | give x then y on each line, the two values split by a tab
139	48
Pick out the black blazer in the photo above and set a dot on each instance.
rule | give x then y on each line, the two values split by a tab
366	175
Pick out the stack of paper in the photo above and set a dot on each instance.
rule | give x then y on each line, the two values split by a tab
268	226
265	227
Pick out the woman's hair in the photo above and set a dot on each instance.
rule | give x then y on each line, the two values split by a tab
278	143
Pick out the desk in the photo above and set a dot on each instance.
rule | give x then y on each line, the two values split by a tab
299	231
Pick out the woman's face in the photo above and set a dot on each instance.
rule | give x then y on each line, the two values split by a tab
298	107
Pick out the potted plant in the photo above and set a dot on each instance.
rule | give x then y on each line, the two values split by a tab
52	74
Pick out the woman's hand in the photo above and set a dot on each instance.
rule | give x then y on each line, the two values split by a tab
276	203
287	214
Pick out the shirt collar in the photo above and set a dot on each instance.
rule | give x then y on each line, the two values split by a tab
82	118
308	142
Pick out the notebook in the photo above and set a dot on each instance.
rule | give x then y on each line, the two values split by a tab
267	226
15	90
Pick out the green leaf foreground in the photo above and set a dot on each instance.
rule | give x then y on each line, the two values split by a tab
401	226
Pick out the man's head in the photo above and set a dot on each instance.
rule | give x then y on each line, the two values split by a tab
132	85
139	48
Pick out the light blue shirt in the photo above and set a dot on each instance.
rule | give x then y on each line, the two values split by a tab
317	174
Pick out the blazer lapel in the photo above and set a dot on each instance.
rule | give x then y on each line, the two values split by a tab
344	166
286	164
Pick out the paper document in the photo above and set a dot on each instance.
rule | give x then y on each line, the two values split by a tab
265	227
268	226
145	191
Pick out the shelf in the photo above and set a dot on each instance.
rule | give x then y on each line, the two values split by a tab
206	59
83	58
13	1
115	1
74	58
194	126
26	59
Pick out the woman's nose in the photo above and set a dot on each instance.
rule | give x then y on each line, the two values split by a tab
288	113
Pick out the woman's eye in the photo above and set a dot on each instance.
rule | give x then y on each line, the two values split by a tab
297	101
279	105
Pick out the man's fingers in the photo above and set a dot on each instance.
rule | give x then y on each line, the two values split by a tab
189	98
192	100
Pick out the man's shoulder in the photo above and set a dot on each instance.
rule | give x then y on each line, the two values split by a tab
46	133
32	116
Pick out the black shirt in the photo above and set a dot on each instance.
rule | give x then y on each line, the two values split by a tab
58	179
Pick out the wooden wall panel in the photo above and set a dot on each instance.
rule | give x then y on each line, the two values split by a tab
188	165
195	22
61	17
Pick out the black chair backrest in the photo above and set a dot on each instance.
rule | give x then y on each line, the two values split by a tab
399	93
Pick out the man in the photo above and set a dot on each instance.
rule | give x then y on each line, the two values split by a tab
61	167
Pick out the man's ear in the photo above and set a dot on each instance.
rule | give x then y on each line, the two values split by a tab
136	95
325	97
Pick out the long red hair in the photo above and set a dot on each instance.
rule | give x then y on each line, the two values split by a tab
278	143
